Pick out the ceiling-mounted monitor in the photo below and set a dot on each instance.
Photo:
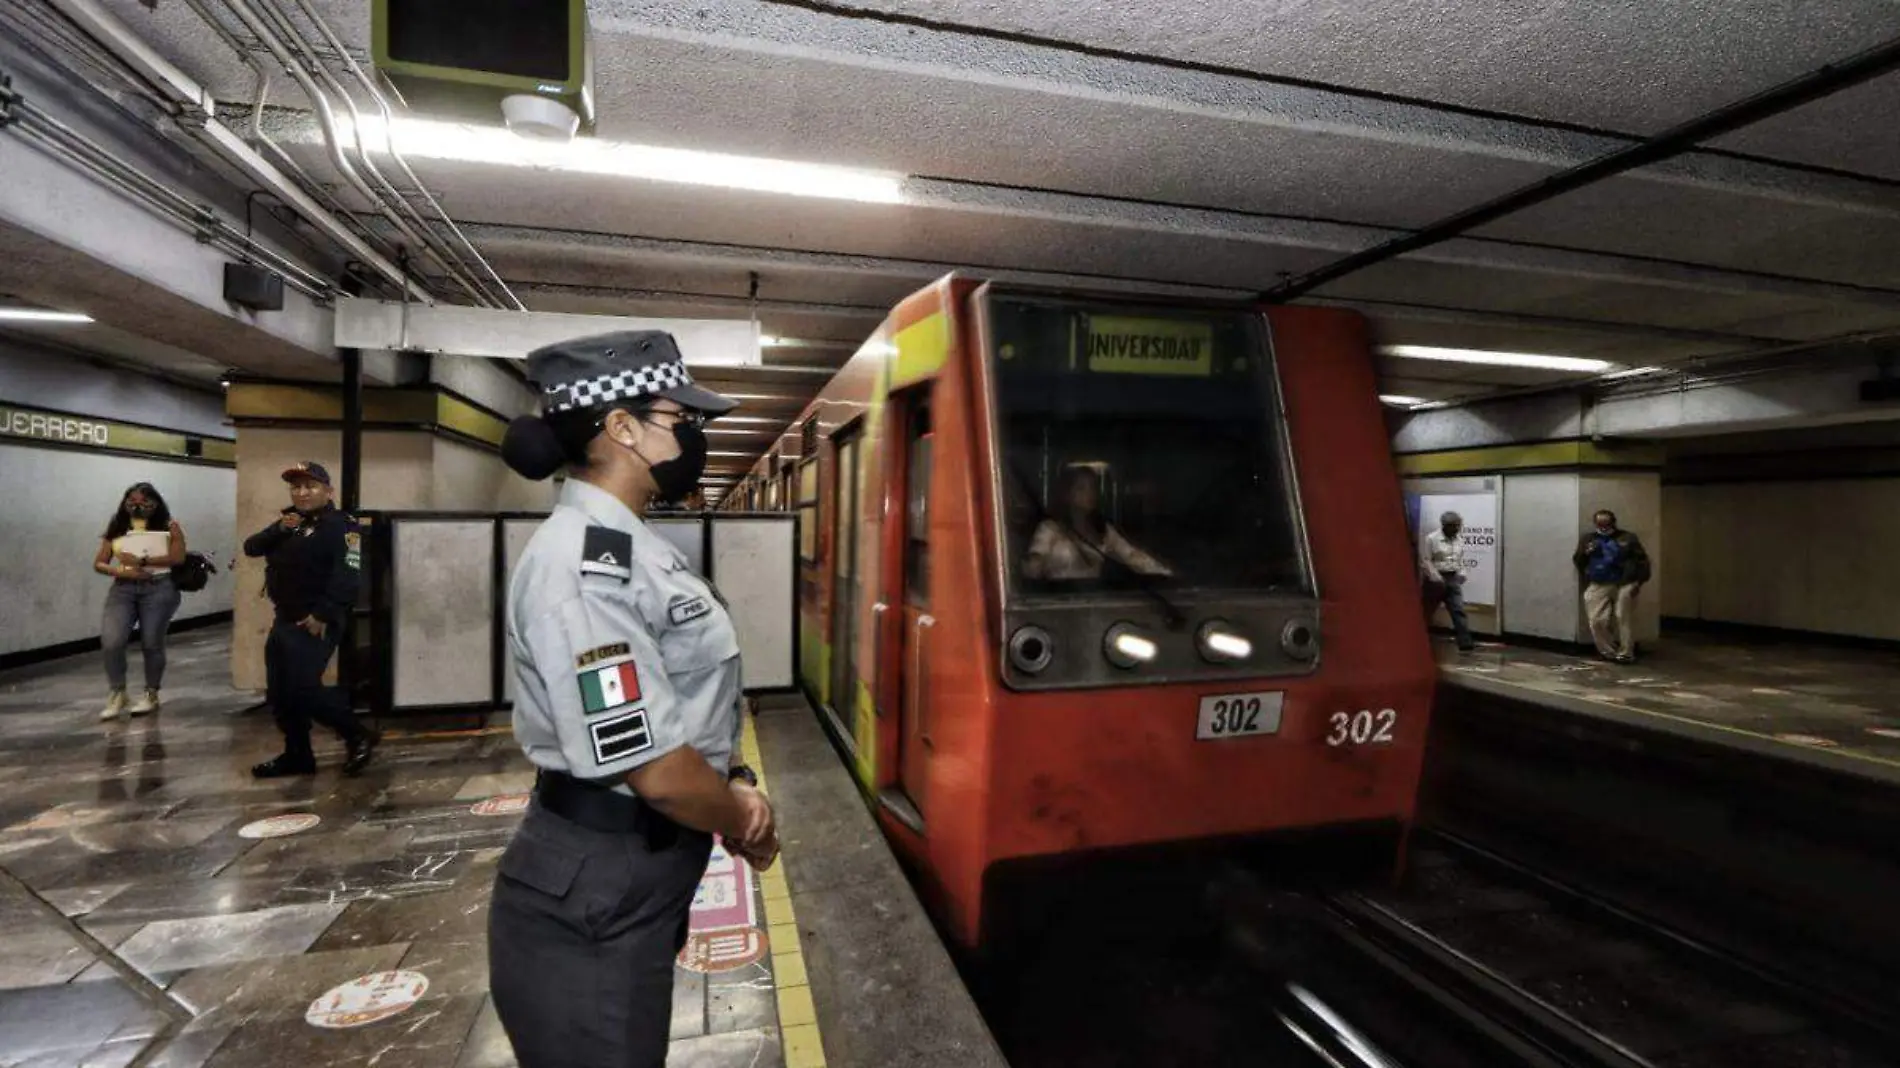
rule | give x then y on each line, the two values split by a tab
528	63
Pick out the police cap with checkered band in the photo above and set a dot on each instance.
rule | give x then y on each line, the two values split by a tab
623	367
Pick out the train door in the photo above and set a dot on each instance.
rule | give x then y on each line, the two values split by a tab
908	691
844	590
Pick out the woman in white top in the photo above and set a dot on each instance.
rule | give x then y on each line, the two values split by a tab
1075	549
138	550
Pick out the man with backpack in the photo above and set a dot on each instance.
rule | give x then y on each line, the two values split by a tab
1614	567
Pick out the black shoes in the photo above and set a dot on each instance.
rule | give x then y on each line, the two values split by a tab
282	767
361	748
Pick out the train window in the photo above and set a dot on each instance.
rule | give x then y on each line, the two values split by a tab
917	509
808	512
1140	445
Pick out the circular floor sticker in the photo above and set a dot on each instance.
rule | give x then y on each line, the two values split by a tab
279	826
374	997
722	951
1808	739
500	805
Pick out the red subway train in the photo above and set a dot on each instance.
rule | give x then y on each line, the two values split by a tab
1083	572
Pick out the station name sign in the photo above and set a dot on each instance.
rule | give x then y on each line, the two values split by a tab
42	426
20	425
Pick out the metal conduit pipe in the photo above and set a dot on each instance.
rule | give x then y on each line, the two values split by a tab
60	142
300	46
183	92
260	97
73	148
326	117
389	119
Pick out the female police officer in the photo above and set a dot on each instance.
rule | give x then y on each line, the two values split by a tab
627	701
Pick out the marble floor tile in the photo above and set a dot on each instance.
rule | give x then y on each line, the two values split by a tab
734	1049
40	954
429	1035
129	831
171	946
487	1044
225	997
74	1018
453	968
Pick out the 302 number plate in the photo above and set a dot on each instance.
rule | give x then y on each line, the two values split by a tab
1237	715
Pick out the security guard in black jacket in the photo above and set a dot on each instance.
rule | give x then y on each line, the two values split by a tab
314	566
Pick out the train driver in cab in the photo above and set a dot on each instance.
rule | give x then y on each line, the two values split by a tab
1072	545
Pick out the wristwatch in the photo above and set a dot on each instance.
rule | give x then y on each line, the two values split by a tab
742	773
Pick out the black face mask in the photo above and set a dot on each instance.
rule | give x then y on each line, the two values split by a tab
138	511
679	477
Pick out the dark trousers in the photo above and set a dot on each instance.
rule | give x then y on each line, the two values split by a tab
294	662
1450	592
583	928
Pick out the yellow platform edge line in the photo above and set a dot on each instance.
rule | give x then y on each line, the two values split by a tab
801	1043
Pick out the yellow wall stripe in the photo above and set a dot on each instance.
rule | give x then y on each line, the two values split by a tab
454	413
323	403
1543	454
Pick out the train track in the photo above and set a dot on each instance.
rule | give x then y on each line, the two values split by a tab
1479	962
1554	978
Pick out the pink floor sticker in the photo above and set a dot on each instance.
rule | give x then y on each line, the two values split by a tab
500	805
724	931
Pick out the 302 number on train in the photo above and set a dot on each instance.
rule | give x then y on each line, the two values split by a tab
1237	715
1363	727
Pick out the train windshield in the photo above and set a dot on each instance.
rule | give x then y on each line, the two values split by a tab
1140	447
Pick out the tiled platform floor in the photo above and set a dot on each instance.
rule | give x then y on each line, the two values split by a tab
136	924
1810	697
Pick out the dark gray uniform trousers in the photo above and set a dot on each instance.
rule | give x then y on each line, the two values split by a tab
582	934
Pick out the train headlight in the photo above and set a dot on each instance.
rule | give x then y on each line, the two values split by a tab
1300	639
1220	644
1031	650
1127	647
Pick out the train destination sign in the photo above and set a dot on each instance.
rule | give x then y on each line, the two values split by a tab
1118	345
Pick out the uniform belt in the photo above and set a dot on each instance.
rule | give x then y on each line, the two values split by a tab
599	808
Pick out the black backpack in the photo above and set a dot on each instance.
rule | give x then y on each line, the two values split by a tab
192	575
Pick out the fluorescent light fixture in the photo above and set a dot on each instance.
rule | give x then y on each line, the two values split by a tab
1498	359
483	144
41	315
767	341
731	455
1631	372
1399	402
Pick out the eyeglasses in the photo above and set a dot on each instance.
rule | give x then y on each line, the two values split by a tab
689	416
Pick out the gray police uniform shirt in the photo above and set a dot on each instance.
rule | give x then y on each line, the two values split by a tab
621	654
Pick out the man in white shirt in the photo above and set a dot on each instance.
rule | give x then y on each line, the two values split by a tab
1441	565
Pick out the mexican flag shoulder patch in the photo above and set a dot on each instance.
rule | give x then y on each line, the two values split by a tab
609	686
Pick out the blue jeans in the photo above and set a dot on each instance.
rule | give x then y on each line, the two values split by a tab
149	604
1451	593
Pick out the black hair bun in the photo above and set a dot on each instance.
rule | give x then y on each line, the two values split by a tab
531	449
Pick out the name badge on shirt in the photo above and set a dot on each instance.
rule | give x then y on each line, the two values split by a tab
687	611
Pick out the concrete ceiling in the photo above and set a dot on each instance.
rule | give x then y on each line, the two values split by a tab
1215	151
